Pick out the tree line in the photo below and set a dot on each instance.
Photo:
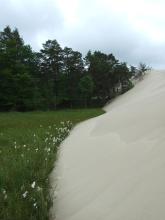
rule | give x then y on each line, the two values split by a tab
58	77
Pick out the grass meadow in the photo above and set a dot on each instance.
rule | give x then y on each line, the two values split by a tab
28	147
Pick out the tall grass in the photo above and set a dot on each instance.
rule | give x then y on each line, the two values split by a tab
28	147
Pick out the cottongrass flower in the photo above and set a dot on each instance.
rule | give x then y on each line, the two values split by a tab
4	191
15	144
5	194
35	205
33	184
24	195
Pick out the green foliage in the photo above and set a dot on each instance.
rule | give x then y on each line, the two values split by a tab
28	147
110	77
86	87
17	73
142	70
138	72
57	77
72	70
100	69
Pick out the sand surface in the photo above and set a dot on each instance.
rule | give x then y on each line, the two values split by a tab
113	167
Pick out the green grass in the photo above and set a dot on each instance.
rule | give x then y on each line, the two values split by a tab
28	147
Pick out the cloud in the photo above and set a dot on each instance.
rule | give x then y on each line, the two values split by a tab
36	20
133	31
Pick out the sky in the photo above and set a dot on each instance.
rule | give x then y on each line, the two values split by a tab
134	31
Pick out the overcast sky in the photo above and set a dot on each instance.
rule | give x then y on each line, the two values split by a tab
133	31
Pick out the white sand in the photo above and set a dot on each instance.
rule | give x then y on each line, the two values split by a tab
113	167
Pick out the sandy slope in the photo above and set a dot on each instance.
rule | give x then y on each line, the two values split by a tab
113	167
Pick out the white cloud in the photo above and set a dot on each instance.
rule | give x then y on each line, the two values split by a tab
69	11
133	30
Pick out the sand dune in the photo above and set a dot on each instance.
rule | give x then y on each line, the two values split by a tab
113	167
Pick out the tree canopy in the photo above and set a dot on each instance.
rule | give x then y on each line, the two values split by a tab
57	77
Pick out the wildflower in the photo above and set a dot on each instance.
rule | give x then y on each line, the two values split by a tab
4	191
24	145
15	144
54	140
33	184
25	194
35	205
5	194
34	135
39	188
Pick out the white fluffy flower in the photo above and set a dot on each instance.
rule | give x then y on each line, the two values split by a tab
35	205
33	184
25	194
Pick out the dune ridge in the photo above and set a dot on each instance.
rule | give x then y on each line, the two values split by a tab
112	167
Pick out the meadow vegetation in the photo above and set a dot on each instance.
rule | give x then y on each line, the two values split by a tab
28	148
